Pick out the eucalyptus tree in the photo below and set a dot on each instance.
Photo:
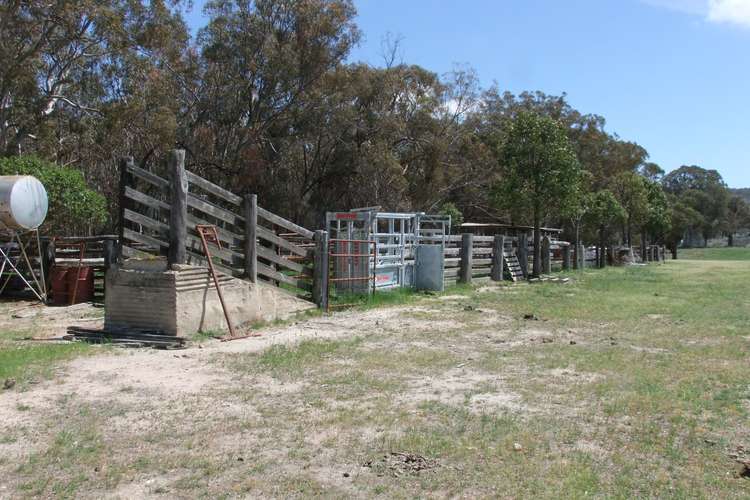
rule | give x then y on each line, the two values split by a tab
540	171
705	192
737	217
604	213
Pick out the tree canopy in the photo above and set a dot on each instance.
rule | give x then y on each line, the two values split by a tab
539	170
265	99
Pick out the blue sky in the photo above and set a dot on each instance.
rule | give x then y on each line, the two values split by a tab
672	75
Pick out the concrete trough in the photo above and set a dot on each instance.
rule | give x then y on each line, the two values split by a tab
145	295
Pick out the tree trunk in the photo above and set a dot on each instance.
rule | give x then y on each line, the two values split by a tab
602	250
576	244
629	236
730	239
537	266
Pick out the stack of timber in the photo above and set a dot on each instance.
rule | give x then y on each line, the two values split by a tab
125	339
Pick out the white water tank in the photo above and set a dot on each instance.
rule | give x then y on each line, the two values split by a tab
23	202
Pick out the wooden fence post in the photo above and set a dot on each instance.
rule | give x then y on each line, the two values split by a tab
467	257
566	257
320	269
109	253
125	179
250	212
546	261
523	254
178	187
498	247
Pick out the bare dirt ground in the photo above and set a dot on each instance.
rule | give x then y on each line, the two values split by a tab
455	395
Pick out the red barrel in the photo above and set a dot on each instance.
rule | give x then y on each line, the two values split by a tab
85	290
58	277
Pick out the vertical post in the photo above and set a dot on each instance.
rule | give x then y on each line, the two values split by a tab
581	256
566	257
109	253
498	247
320	269
125	179
178	208
523	254
467	257
48	257
546	260
250	212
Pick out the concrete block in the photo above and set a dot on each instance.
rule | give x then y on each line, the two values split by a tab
183	301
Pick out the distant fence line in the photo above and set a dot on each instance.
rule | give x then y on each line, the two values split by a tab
158	216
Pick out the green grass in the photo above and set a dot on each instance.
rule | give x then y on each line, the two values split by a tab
632	383
381	298
24	361
726	253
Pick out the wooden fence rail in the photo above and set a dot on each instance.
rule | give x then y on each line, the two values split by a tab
159	216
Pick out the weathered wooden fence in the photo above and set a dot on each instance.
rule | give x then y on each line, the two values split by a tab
469	257
159	216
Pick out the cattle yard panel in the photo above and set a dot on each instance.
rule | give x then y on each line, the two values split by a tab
256	244
353	264
395	235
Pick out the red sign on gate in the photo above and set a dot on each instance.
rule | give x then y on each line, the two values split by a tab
346	216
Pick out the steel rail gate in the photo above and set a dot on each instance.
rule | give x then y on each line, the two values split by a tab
395	235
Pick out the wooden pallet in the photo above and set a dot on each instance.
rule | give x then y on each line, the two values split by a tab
512	266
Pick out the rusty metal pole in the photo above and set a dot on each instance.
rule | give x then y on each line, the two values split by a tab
202	230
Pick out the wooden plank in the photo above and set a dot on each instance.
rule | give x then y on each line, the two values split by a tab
214	211
268	254
214	189
200	260
132	252
451	273
272	274
194	243
228	237
268	235
147	176
144	239
145	199
280	221
148	222
481	262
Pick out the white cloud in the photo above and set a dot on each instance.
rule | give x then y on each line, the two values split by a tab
698	7
735	12
730	11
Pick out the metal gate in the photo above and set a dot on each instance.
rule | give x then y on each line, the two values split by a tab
395	235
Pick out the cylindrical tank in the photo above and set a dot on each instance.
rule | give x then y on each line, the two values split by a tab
23	202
